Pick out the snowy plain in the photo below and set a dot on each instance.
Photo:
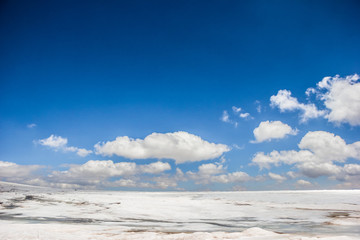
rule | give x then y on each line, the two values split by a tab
42	213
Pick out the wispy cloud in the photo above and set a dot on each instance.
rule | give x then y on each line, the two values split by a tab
258	106
236	113
31	125
226	118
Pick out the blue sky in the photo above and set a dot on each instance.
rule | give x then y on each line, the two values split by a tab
89	72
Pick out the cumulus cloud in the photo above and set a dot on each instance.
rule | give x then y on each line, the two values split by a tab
285	102
278	157
329	147
269	130
93	174
342	97
59	143
155	168
303	183
276	177
106	173
205	172
216	173
210	169
349	173
233	177
350	176
13	172
98	169
53	141
352	169
318	152
314	169
179	146
103	169
82	152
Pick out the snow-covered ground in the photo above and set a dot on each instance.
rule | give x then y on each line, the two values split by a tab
41	213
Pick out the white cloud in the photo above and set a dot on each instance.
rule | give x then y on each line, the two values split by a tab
180	146
215	173
258	107
82	152
93	174
204	173
237	112
352	169
13	172
276	177
231	177
319	151
269	130
59	143
350	176
236	109
155	168
210	169
303	183
103	169
53	141
123	183
98	173
315	169
310	91
292	174
342	98
95	170
163	182
329	147
244	115
285	102
226	118
276	158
